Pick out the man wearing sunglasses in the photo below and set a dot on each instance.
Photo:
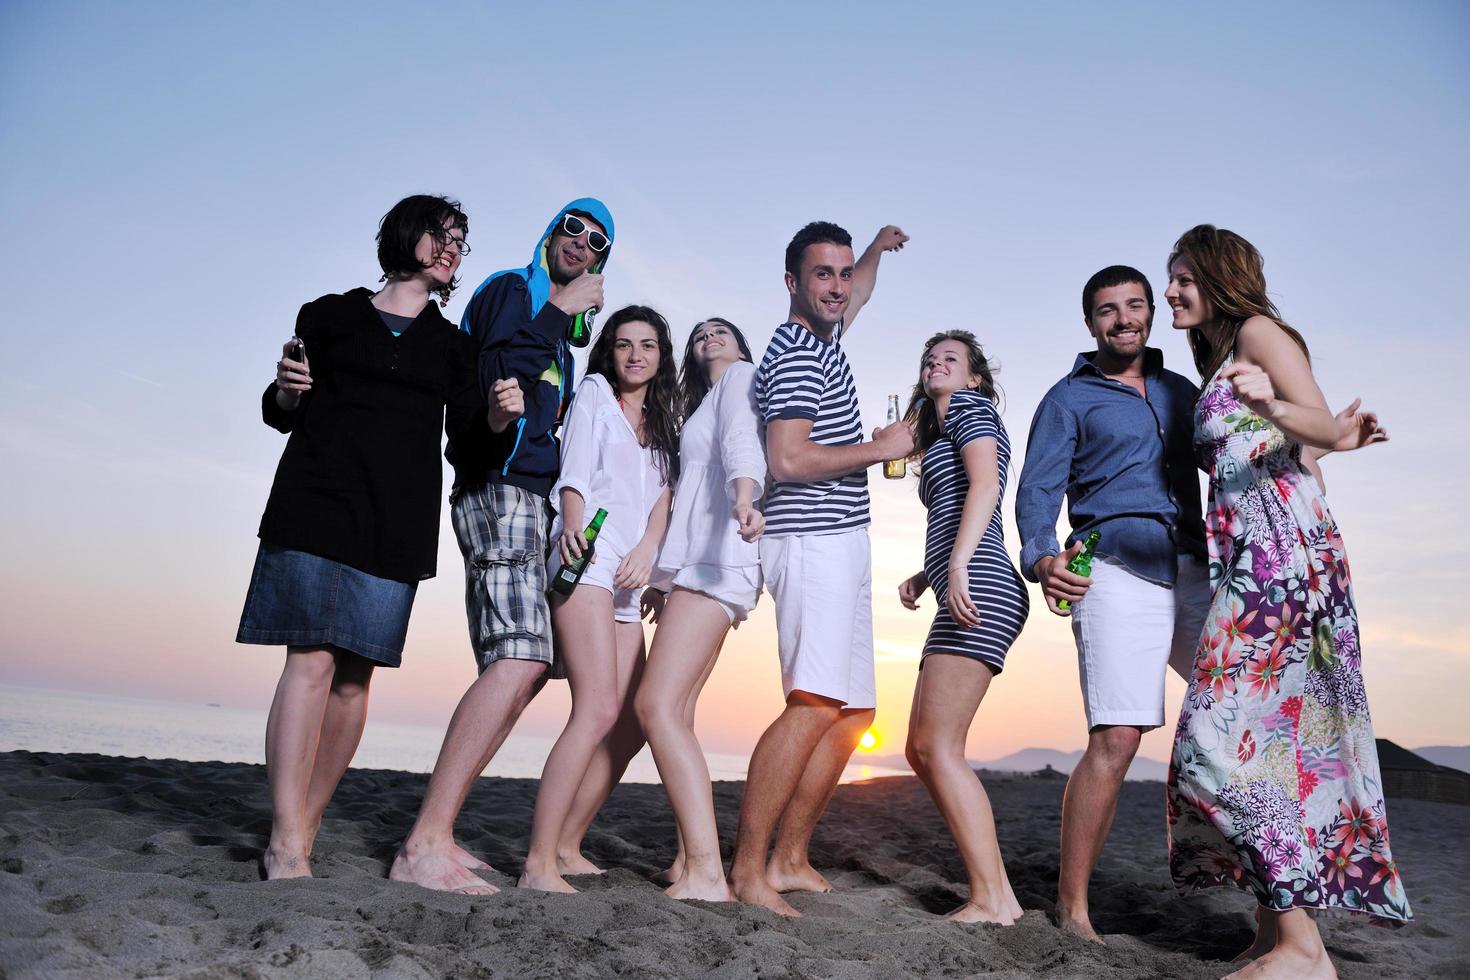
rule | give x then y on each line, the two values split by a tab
506	458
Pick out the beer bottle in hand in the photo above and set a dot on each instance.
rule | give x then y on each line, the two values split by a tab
894	469
570	572
1081	563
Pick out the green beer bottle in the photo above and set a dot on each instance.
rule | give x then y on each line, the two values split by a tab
1081	563
570	572
582	327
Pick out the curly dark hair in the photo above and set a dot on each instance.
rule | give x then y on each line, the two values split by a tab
921	413
692	381
661	403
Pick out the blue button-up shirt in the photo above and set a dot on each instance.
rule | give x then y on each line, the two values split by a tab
1126	464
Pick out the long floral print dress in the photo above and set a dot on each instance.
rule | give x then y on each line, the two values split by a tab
1274	783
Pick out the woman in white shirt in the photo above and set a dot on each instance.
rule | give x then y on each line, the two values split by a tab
619	452
712	562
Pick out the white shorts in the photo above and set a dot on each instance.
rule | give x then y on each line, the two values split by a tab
735	589
599	574
823	588
1129	631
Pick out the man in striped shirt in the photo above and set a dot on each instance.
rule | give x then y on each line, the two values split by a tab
815	559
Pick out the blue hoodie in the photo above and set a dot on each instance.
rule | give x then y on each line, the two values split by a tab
520	335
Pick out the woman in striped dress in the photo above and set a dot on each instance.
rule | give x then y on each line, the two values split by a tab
963	459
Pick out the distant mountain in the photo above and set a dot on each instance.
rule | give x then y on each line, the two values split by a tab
1030	760
1454	756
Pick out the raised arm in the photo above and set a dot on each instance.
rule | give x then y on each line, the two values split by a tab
1272	377
890	238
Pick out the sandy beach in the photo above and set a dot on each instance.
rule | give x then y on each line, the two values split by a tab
132	867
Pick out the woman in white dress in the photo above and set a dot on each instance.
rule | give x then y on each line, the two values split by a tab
712	567
619	452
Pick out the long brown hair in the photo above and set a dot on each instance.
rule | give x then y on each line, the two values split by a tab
661	401
693	382
921	412
1230	274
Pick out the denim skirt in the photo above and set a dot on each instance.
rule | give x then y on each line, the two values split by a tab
297	599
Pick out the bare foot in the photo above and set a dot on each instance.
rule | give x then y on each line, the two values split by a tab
1079	926
670	874
544	882
437	869
705	888
467	860
576	864
795	878
285	864
970	912
1264	941
1288	963
762	894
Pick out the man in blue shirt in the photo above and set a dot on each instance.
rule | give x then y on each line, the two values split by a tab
1116	436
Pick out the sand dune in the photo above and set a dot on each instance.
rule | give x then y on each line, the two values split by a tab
131	867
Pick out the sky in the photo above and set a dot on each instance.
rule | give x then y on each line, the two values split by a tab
177	179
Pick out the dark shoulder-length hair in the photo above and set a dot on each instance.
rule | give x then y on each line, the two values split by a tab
693	384
1230	274
661	403
921	413
405	223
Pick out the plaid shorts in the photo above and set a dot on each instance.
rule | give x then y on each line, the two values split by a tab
501	531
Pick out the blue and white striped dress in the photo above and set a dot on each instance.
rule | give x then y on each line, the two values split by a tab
995	586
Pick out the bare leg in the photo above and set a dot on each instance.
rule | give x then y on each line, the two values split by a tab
1265	938
776	767
1088	805
685	647
675	871
947	695
610	760
292	733
1298	953
585	619
485	715
790	869
342	726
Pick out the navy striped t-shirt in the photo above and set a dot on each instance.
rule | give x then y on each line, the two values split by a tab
805	377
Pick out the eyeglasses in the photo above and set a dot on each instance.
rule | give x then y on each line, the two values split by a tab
460	245
573	226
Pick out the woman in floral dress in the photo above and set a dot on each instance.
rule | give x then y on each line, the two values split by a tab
1274	783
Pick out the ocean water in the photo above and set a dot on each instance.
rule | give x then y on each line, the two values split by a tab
40	720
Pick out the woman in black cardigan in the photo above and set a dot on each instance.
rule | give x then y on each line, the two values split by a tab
352	523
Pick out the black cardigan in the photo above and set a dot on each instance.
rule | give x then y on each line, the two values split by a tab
360	479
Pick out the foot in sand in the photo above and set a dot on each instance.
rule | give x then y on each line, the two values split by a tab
1288	963
802	877
576	864
713	888
670	874
1264	942
439	869
465	859
1077	925
285	864
970	912
544	880
759	892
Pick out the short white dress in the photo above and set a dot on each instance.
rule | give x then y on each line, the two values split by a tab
703	551
602	460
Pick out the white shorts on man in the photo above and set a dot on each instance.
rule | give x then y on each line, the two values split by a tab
823	588
1129	631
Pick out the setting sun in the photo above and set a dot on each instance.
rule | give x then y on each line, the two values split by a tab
869	741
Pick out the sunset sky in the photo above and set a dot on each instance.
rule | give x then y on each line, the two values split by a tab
177	179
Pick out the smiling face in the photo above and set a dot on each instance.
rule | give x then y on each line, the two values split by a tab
1120	320
568	256
1191	309
635	355
713	343
822	290
946	369
440	261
